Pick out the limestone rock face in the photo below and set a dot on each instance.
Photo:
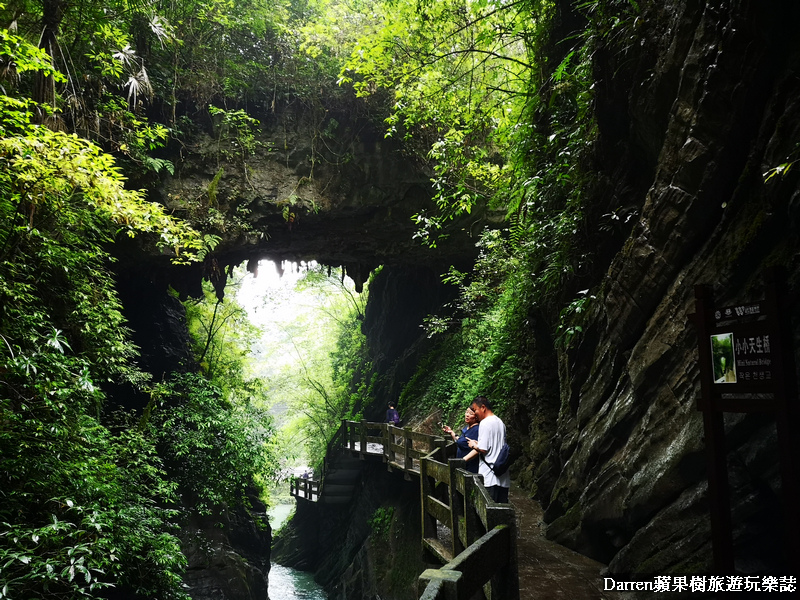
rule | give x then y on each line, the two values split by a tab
312	185
399	300
228	555
716	84
364	550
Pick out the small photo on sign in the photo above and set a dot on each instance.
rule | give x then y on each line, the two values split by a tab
722	358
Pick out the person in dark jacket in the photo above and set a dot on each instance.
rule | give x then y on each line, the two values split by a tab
468	432
392	416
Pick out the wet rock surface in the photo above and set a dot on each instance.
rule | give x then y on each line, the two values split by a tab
629	447
228	555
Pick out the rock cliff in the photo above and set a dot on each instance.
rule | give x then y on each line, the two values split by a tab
707	106
311	184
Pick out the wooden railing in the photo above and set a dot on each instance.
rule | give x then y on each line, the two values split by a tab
311	489
482	563
401	448
307	489
479	545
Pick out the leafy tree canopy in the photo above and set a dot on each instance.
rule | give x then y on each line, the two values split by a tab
89	499
461	74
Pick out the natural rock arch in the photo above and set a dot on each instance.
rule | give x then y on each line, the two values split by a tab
342	198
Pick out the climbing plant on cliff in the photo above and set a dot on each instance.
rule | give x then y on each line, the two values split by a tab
544	256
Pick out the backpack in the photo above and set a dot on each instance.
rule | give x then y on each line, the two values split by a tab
503	461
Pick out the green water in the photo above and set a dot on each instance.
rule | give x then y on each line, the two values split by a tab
286	583
278	515
289	584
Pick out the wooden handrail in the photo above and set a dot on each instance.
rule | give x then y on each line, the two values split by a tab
483	533
307	489
461	578
471	515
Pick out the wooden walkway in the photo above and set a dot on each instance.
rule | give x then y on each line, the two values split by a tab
548	569
472	537
476	540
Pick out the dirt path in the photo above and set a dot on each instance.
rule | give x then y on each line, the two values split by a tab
546	569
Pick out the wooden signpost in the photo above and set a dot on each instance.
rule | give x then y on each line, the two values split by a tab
746	365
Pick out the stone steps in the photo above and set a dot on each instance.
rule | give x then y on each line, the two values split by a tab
347	462
438	549
343	477
340	500
341	480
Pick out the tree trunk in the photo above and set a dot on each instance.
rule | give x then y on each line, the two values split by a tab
52	13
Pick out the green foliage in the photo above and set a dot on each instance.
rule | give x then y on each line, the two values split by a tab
461	76
21	57
541	260
218	415
85	500
482	349
380	523
222	339
105	70
133	136
318	364
214	447
783	169
82	509
571	317
238	130
45	173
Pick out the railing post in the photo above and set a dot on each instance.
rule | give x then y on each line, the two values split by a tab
456	504
408	461
362	439
505	584
350	436
438	444
472	524
428	521
385	438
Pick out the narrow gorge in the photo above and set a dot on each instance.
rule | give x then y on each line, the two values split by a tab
686	178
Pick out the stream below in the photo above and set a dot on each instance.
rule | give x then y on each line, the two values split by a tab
286	583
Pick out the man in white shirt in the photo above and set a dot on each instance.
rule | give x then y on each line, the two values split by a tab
491	437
